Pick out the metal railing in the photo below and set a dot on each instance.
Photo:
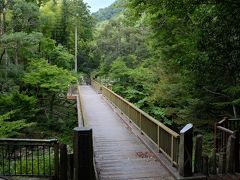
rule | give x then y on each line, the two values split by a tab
29	157
163	137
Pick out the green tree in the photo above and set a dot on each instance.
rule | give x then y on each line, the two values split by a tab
35	90
47	81
11	128
57	55
25	16
21	43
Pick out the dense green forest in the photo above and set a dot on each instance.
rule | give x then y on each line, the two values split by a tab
36	62
176	60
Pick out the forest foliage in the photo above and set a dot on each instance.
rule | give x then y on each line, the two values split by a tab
36	62
109	12
177	60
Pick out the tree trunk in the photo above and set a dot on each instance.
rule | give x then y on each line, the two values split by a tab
16	55
3	29
1	21
1	58
6	63
51	104
234	111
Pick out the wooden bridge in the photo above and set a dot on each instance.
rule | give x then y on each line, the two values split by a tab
130	144
119	153
116	140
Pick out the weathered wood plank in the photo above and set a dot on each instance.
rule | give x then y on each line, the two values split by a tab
119	154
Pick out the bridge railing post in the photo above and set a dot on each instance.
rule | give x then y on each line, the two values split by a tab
56	160
222	163
205	168
198	163
83	154
186	151
70	166
63	159
232	153
236	148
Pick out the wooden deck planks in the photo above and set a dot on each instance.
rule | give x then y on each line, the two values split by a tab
119	154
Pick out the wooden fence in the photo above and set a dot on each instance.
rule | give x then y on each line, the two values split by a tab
74	94
226	144
81	117
48	158
234	124
97	86
222	131
163	137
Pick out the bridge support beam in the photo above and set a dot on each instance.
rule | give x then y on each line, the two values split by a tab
186	151
83	154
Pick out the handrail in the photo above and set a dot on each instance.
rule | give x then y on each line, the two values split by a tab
97	86
79	109
234	119
27	141
224	120
225	129
29	157
82	121
145	114
162	136
222	130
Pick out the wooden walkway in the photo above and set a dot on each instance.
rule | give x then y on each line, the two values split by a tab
119	154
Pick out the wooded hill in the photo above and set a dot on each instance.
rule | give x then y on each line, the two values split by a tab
178	61
109	12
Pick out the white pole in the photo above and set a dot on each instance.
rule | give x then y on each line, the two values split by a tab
76	48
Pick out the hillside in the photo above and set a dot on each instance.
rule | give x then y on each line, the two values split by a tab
109	12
